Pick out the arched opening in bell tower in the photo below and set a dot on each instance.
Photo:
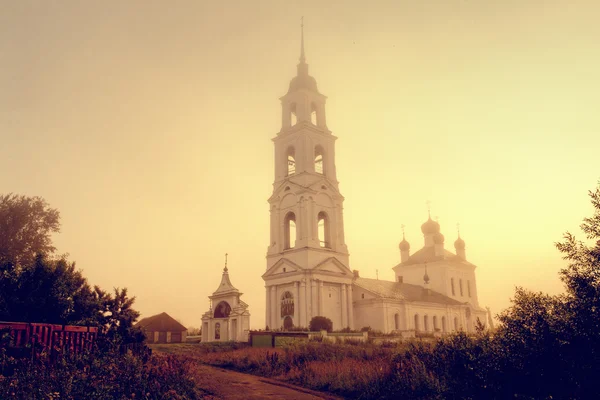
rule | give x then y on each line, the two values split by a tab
289	227
319	167
293	115
313	114
291	161
323	230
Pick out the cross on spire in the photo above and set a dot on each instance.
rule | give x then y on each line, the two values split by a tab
458	228
402	226
428	202
225	269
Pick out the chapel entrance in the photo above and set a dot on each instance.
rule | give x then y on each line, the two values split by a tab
288	322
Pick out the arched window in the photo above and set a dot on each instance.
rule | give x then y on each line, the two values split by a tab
287	304
293	115
291	161
435	323
323	229
217	331
222	310
469	288
397	321
313	114
460	286
417	327
444	327
319	156
456	327
452	284
426	323
289	226
400	279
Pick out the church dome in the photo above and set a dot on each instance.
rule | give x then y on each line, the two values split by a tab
430	226
404	245
459	243
438	238
303	81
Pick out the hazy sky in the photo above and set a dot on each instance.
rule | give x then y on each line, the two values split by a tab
148	124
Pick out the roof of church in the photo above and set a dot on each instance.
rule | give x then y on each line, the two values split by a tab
161	322
403	291
427	254
225	285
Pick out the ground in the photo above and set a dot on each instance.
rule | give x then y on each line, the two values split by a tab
225	384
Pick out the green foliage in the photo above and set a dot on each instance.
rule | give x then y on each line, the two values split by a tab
26	224
319	323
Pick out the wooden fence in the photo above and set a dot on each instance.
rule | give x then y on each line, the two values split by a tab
69	338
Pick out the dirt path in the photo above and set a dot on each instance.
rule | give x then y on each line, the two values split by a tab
225	384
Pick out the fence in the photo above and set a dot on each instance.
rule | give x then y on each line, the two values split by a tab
276	339
62	337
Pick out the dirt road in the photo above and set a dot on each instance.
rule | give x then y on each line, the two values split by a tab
225	384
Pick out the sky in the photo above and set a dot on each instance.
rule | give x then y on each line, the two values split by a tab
148	124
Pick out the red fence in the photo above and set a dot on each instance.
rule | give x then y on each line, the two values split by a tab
64	337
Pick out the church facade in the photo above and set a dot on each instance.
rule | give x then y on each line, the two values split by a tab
308	272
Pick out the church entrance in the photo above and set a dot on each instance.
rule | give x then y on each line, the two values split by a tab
288	322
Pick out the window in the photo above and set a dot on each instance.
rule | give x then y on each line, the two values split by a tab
452	284
469	288
287	304
291	161
417	327
426	323
435	323
283	269
289	226
444	327
319	160
323	229
293	115
313	113
397	321
461	287
456	327
362	296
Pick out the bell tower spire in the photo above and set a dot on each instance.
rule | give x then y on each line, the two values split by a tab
302	57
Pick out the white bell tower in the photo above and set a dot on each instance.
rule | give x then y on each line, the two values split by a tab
307	257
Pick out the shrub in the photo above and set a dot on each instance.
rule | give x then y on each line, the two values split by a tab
319	323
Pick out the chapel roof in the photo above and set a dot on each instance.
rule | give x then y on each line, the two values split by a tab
225	285
403	291
161	322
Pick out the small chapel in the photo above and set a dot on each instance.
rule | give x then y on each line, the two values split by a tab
227	318
308	271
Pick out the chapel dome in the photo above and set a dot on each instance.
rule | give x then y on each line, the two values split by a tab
430	226
438	238
404	245
459	243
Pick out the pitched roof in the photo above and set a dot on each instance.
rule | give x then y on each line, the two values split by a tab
403	291
161	322
427	254
225	285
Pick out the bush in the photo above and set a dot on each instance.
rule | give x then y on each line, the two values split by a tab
319	323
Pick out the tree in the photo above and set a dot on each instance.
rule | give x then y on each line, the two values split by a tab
47	291
319	323
26	224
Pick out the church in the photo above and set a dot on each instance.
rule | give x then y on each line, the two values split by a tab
308	271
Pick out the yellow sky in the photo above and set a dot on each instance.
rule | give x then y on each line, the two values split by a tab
148	125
